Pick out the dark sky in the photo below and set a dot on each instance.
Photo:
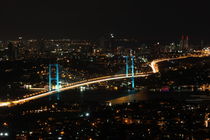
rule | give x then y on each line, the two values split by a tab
89	19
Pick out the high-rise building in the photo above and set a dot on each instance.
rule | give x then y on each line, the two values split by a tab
41	47
20	47
108	42
12	51
202	45
184	43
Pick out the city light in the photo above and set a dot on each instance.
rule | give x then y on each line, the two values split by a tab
87	114
4	134
113	70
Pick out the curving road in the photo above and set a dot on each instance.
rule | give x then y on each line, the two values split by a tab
154	63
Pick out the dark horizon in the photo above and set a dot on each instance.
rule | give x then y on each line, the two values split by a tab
145	20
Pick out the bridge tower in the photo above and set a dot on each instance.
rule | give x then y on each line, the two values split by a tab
54	79
130	66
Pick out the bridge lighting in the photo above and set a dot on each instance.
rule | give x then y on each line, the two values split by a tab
56	79
128	67
70	86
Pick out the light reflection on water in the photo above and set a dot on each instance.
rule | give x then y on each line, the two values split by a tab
120	97
144	96
130	98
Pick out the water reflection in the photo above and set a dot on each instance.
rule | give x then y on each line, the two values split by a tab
130	98
144	96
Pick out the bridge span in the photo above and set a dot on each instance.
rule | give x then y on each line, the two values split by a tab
153	65
71	86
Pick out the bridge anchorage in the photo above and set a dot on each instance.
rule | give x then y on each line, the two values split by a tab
129	68
54	81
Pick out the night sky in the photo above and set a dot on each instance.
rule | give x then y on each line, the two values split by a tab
90	19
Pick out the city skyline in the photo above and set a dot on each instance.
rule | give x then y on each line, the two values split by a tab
95	70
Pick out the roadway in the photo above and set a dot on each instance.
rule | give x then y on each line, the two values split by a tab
42	94
154	63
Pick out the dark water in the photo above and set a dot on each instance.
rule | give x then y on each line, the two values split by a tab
119	97
99	96
193	97
149	96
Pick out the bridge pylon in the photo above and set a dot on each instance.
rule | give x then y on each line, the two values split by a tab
129	66
54	81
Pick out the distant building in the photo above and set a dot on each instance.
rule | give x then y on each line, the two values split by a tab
107	42
184	43
201	45
12	51
102	42
41	47
21	48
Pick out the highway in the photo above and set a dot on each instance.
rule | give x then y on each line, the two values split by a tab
154	63
37	95
69	86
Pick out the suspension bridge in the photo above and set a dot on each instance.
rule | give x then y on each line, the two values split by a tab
130	73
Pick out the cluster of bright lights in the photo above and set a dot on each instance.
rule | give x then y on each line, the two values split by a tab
4	134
